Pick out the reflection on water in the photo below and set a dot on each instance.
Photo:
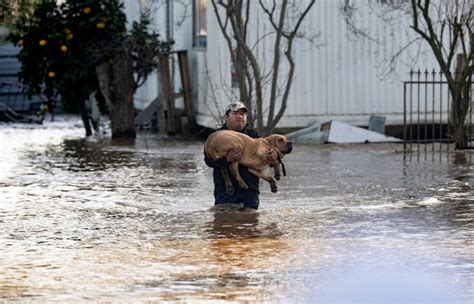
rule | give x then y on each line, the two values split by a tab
102	220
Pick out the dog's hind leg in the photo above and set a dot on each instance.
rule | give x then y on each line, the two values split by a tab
268	178
234	168
228	184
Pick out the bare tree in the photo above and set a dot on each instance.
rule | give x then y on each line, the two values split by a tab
285	18
447	26
457	21
182	6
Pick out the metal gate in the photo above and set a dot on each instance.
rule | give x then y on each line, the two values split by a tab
426	119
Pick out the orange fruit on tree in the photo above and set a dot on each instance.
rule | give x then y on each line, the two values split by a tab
19	42
87	10
63	48
51	74
68	33
100	25
43	42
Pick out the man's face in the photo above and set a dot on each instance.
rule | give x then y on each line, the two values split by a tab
236	120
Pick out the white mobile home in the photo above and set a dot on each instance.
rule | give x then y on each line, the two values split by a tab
339	76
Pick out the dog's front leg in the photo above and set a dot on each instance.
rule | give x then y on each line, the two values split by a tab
277	169
268	178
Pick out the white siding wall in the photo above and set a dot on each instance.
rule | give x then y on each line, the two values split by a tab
342	79
181	34
337	77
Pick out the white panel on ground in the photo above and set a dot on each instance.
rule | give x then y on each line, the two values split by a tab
337	132
342	133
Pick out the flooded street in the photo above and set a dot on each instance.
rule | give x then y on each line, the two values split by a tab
95	220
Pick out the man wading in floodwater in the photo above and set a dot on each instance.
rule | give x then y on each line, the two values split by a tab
236	120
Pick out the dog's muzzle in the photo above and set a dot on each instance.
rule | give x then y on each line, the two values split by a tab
289	147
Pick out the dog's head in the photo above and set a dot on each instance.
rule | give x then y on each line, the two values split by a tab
280	143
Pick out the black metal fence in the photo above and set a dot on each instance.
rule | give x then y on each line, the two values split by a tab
427	112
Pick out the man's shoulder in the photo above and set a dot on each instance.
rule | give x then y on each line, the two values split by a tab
248	131
251	133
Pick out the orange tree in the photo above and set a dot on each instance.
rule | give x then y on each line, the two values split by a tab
62	46
11	9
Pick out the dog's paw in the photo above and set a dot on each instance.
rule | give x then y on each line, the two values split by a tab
230	191
273	187
277	177
243	186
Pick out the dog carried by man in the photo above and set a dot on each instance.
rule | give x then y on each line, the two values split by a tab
257	154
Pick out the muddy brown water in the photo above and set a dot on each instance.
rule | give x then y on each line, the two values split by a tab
96	220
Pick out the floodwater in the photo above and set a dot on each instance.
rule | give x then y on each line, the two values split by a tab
100	221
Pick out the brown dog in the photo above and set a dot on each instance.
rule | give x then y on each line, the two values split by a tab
257	155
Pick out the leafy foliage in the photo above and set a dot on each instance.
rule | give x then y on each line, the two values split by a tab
11	10
144	47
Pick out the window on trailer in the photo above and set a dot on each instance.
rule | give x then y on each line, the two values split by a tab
200	23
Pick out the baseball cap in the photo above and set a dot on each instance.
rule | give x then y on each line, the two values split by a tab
236	106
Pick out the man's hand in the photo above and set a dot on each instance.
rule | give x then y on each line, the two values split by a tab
233	155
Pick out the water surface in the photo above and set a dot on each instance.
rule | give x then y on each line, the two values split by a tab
100	220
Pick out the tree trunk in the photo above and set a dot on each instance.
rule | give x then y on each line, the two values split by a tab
460	104
117	85
460	107
85	119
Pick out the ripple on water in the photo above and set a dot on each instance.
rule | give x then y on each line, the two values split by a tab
97	220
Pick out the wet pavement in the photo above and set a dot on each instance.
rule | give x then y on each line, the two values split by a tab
119	221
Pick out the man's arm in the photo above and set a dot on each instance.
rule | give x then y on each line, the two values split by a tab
221	162
232	155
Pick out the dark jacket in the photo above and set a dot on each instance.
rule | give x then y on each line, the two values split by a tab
219	184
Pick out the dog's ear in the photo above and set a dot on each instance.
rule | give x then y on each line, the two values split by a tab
277	141
272	141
